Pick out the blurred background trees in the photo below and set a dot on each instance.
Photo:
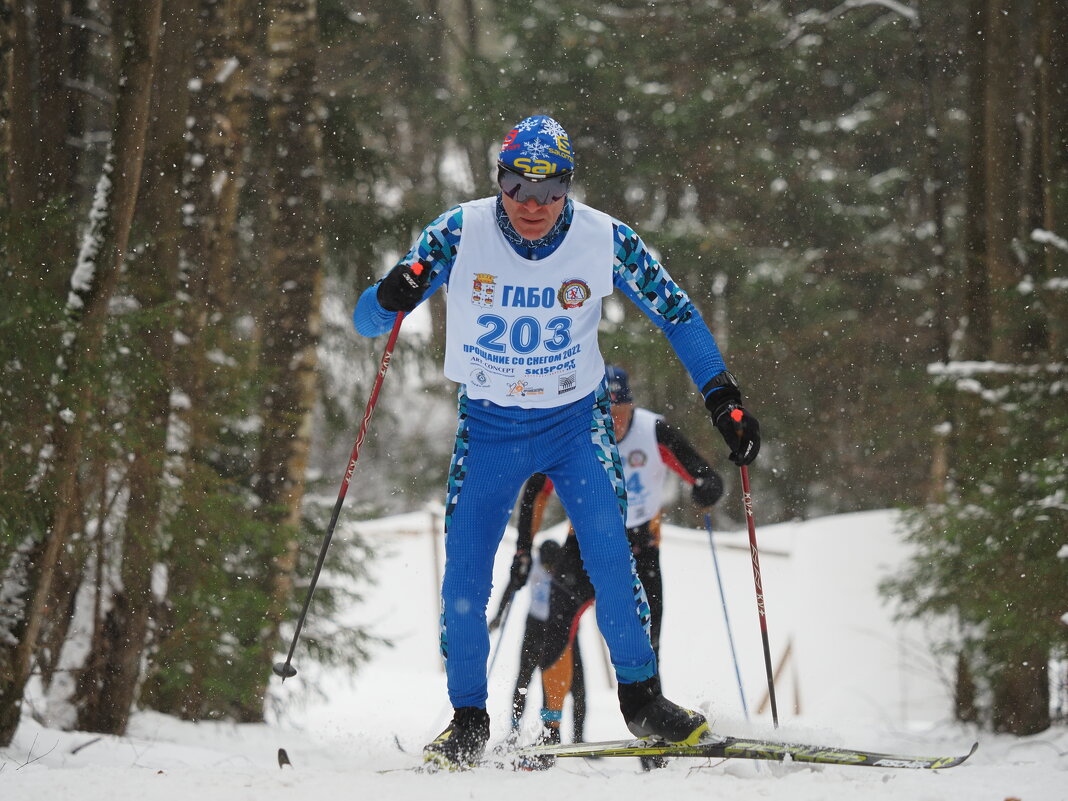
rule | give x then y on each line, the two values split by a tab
866	200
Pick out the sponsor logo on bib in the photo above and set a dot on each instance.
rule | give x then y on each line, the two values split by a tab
524	389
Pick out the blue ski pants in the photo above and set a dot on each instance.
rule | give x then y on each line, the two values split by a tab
497	449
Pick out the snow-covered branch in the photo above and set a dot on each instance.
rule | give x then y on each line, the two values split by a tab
814	17
966	369
1049	238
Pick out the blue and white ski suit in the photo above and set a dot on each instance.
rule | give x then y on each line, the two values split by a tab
501	442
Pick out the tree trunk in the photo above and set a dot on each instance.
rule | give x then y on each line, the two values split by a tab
291	321
1052	117
136	23
1021	694
219	117
936	191
55	173
217	133
21	167
1001	157
976	301
109	683
964	692
5	106
41	160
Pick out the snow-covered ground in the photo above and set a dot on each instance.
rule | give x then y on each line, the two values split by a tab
848	675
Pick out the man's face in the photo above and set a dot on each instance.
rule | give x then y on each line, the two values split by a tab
621	414
530	219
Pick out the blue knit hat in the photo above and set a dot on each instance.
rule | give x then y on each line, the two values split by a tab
538	147
618	384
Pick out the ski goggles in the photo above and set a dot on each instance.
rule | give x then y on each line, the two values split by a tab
521	188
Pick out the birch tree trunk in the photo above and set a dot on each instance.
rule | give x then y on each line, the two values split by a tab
136	24
222	55
291	320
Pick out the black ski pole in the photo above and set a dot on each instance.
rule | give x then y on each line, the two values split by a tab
286	669
500	637
747	502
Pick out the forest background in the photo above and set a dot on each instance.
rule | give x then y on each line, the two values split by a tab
866	199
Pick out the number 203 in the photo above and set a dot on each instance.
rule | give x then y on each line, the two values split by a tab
525	335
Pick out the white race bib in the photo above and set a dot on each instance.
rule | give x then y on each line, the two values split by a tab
521	332
643	468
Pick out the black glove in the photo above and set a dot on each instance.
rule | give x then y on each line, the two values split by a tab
520	570
403	287
707	489
499	617
740	430
517	578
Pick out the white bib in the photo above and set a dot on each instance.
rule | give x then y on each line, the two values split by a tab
643	468
541	585
520	332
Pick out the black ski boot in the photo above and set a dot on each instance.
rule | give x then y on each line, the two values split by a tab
649	714
550	735
461	745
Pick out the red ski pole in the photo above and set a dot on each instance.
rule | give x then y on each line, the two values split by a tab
747	502
286	669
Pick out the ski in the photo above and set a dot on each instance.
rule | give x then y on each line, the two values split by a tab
716	746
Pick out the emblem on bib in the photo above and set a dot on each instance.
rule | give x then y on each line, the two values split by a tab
573	293
637	458
483	288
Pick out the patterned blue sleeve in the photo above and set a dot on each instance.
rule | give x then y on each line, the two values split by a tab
436	246
644	280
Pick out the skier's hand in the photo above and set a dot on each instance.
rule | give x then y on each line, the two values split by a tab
707	489
496	622
403	287
520	570
740	430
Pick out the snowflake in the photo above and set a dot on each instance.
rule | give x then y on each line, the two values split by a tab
536	148
529	124
553	128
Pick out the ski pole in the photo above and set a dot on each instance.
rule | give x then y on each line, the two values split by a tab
500	638
286	669
726	617
747	502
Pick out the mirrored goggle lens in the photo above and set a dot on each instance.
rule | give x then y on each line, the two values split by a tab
544	192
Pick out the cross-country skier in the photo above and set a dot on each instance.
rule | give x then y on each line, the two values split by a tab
526	271
542	566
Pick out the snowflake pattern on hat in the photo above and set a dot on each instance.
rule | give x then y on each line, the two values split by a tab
537	147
